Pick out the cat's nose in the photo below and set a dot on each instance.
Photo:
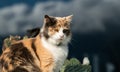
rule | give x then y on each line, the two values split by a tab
61	36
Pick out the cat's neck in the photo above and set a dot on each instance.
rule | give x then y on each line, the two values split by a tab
59	53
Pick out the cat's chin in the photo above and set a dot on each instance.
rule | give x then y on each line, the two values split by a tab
54	41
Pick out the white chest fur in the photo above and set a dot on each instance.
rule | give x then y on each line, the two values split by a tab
59	54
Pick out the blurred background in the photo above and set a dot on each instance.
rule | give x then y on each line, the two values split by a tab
95	26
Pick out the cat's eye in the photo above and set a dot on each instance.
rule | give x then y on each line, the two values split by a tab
66	30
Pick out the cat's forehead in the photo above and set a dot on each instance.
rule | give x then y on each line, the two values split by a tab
60	18
61	21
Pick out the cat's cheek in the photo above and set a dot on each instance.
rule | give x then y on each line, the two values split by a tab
55	36
67	39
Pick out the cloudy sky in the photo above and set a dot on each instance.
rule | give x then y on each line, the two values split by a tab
89	15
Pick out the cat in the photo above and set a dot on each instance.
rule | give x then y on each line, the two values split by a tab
44	53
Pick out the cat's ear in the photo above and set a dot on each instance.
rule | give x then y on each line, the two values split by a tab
69	18
49	21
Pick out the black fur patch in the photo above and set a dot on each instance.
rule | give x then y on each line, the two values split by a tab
45	33
34	49
18	69
50	21
33	32
3	63
18	50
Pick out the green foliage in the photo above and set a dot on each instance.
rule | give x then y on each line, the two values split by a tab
7	42
25	37
74	65
12	39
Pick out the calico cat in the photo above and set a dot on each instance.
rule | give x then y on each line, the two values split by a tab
44	53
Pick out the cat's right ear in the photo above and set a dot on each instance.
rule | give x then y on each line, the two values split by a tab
49	21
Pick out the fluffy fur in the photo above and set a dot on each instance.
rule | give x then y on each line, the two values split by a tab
44	53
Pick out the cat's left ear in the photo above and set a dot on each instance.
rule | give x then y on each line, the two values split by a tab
69	18
49	20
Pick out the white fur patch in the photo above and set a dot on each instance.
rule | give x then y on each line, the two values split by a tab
59	53
61	32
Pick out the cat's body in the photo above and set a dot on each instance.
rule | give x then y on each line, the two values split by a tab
44	53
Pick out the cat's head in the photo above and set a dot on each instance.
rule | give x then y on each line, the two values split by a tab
56	30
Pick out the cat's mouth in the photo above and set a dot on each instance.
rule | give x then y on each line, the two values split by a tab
60	39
